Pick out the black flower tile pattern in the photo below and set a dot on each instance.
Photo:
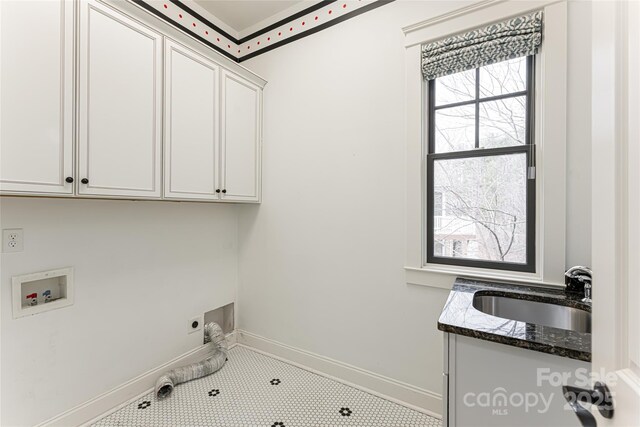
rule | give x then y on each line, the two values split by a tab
345	412
275	381
239	396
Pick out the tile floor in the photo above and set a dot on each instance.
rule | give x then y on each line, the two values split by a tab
256	390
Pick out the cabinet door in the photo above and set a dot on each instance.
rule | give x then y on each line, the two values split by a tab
120	107
36	44
191	124
241	138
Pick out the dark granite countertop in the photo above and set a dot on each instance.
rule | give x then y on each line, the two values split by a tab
460	317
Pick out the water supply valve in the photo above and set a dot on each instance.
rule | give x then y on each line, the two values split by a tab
33	297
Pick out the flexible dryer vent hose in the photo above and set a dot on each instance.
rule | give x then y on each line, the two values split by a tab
217	356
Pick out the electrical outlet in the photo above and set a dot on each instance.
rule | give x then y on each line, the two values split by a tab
195	324
12	240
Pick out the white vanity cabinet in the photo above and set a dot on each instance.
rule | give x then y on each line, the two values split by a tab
493	384
191	125
36	125
120	105
241	138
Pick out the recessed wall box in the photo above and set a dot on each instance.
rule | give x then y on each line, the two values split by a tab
223	316
39	292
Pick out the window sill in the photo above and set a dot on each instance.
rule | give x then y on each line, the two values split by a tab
437	276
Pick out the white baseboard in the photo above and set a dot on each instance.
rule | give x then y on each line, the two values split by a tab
396	391
399	392
101	406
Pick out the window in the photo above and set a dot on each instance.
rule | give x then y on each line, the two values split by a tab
480	162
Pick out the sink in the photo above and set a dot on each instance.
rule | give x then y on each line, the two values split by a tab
539	313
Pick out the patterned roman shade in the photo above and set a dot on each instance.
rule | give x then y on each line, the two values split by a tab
516	37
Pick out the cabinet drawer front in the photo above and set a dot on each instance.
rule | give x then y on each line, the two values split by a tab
241	138
120	105
37	95
191	124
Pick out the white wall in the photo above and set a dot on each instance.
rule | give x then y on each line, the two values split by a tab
579	136
321	260
142	270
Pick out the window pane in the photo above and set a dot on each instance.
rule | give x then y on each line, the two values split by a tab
503	77
503	122
485	204
456	87
437	204
455	128
439	250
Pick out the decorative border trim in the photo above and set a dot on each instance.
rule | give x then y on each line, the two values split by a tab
255	34
231	46
304	23
285	21
211	25
416	398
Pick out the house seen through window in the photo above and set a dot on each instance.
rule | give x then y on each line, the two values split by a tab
481	179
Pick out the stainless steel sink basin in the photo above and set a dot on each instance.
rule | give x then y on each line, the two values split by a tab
539	313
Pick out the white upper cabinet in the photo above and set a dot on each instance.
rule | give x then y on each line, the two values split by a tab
96	102
120	105
241	138
36	137
192	102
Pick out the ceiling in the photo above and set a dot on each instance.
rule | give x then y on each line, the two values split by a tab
243	14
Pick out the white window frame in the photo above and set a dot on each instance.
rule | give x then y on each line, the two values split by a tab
550	132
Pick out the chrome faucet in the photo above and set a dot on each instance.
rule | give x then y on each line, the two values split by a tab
579	279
